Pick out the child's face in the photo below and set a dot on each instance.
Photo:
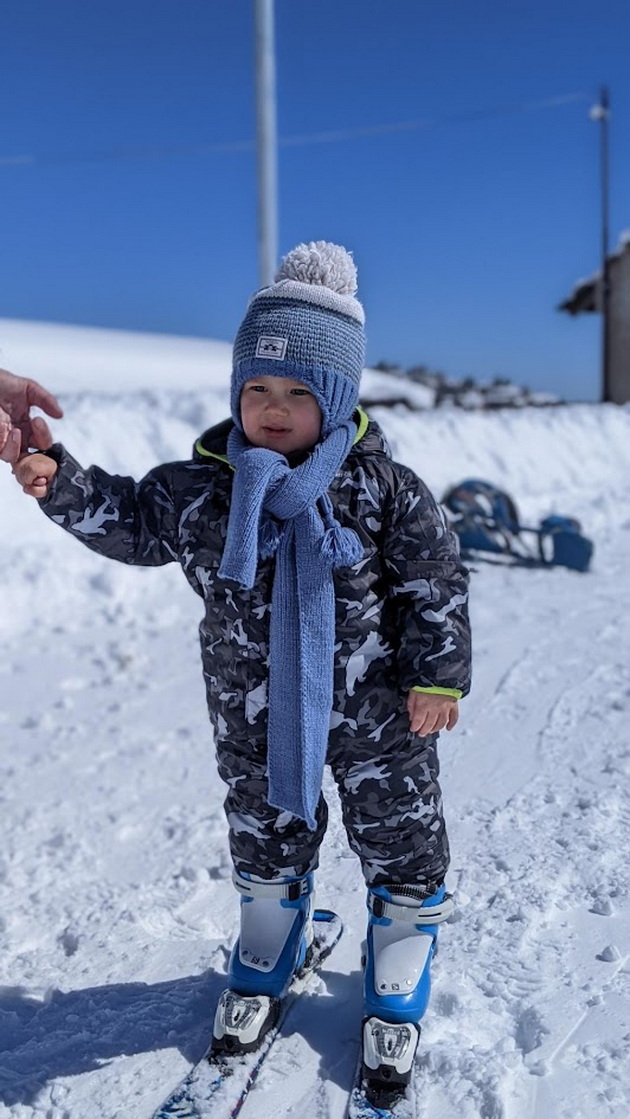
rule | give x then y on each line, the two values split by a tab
280	414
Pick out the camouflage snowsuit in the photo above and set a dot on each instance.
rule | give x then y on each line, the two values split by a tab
401	620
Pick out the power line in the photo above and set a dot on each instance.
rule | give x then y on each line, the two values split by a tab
142	153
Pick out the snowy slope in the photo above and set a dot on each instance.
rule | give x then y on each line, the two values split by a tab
115	901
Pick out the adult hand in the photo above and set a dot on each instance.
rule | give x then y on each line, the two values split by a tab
18	431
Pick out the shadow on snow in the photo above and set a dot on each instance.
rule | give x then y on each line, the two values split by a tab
77	1032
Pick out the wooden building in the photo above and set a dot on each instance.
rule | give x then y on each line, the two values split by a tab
587	296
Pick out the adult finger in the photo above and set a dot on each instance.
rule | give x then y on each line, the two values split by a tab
5	427
39	397
40	436
12	447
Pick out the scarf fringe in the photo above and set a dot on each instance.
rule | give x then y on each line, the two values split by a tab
268	538
341	546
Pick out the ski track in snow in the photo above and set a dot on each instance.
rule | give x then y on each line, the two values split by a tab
116	909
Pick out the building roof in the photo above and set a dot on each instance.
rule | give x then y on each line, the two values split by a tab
584	297
586	293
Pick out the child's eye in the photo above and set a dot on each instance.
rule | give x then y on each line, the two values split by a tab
257	388
300	392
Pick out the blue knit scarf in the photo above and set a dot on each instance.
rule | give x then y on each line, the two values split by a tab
287	512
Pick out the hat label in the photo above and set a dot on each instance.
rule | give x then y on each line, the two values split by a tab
271	347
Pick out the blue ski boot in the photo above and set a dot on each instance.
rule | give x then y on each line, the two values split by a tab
401	942
276	933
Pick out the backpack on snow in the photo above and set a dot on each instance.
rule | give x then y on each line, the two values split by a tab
486	520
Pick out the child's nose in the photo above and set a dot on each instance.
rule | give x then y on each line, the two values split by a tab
279	405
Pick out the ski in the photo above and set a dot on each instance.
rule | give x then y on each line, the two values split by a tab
360	1107
217	1086
388	1050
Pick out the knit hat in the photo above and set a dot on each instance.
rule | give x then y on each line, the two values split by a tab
307	326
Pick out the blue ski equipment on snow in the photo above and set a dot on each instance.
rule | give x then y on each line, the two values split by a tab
487	523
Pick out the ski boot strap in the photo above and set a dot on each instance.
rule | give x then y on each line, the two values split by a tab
420	914
289	890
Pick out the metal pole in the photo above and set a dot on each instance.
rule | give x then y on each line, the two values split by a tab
266	142
605	235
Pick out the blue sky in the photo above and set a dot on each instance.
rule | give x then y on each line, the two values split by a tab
127	168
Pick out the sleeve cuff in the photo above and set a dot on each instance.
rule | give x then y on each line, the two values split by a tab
455	693
55	452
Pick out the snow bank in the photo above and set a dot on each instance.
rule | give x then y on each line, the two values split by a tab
541	455
65	357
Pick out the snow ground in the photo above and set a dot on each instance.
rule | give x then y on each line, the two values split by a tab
116	908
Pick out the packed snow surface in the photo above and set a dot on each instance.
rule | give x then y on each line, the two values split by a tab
116	907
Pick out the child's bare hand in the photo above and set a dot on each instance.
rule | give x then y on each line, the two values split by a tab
430	712
35	474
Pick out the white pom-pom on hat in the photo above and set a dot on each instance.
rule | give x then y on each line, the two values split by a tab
323	263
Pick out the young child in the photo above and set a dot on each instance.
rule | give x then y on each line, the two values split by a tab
335	631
